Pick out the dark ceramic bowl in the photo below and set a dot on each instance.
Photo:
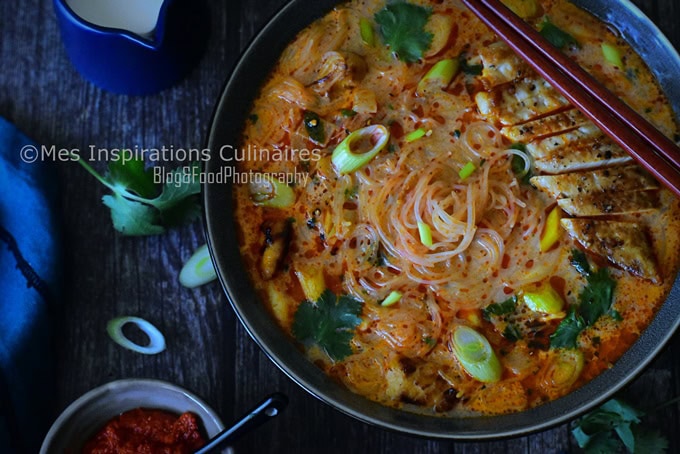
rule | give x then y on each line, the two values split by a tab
89	413
228	122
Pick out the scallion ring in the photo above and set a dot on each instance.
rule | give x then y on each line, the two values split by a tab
346	160
268	192
475	354
156	340
198	270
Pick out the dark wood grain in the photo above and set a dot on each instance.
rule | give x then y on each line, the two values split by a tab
107	275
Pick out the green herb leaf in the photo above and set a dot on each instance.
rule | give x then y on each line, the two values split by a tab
132	175
506	307
139	206
132	218
329	323
595	300
402	26
615	425
471	70
348	113
649	441
556	36
625	411
314	127
568	330
597	297
512	332
603	443
580	262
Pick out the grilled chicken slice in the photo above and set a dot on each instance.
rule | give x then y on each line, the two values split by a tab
545	126
609	204
619	179
520	101
581	149
501	65
622	243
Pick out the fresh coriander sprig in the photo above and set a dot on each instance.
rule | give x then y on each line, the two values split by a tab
328	323
595	300
402	26
616	425
139	206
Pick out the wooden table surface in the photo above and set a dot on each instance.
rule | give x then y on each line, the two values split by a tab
108	275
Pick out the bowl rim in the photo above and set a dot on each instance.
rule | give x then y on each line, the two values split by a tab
121	385
218	222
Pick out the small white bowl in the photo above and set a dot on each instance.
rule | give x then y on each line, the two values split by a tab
89	413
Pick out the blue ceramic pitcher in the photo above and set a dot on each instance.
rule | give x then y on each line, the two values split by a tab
135	62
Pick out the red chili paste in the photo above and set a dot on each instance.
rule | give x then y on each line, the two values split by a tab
145	431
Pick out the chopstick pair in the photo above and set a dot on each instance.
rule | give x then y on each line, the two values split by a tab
647	145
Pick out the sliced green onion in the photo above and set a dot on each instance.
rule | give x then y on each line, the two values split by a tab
467	170
475	354
425	234
440	75
415	135
367	34
612	54
198	270
391	299
156	340
566	369
545	300
268	192
345	160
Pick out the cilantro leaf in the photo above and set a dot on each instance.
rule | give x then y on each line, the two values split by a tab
132	175
512	332
649	441
556	36
602	443
181	185
467	68
329	323
132	218
402	26
626	412
141	207
595	300
506	307
615	425
567	331
597	297
580	262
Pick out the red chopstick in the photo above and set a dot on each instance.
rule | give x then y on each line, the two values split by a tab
647	145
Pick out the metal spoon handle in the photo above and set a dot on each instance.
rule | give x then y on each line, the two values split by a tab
263	412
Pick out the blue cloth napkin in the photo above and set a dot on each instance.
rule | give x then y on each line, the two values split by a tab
29	256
